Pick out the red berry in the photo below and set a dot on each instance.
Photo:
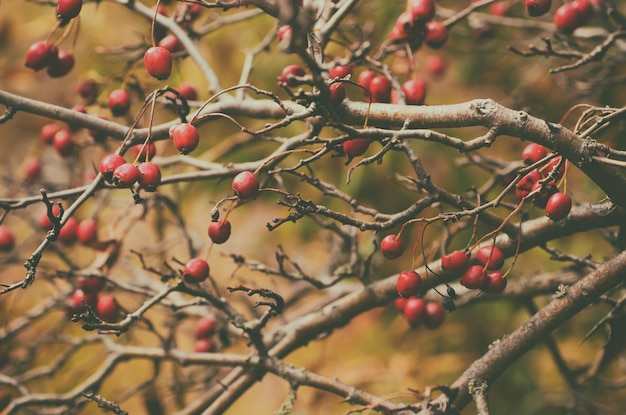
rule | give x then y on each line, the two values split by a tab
219	231
61	65
87	89
185	137
340	71
149	176
119	102
7	240
171	43
337	93
188	91
196	270
44	221
143	152
32	169
90	285
245	185
158	62
414	311
533	152
538	7
87	231
108	164
355	146
455	261
435	314
205	328
286	78
125	175
107	308
391	247
204	346
490	256
365	79
498	8
422	10
584	9
436	65
408	283
62	143
496	283
380	89
525	185
68	9
567	18
558	206
436	34
79	297
399	303
68	232
415	91
403	29
474	277
48	131
40	55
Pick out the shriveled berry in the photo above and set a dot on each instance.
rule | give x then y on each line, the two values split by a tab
219	231
246	185
391	247
196	270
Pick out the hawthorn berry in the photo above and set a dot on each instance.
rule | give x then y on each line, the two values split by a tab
204	346
474	277
80	297
399	303
170	43
408	284
188	91
245	185
436	65
61	65
414	311
32	169
533	152
567	18
185	137
558	206
125	175
498	8
286	78
355	147
219	231
158	62
196	270
434	314
391	247
337	93
436	34
525	185
496	283
455	261
90	285
108	164
365	79
380	89
584	9
68	9
340	71
40	55
414	91
87	231
206	327
143	152
403	29
107	308
490	257
7	240
537	8
149	176
48	131
62	142
422	10
68	232
119	102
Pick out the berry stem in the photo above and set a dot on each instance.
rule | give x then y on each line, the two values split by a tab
152	27
149	135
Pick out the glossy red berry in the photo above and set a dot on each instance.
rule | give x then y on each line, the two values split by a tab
40	55
496	283
196	270
125	175
149	176
143	152
337	93
62	65
108	164
380	89
474	277
340	71
205	328
533	152
7	240
87	231
32	169
80	297
408	284
584	9
246	185
355	147
436	34
286	78
68	9
90	285
414	91
422	10
68	232
365	79
87	89
62	142
434	314
490	257
567	18
558	206
455	261
48	131
119	102
414	311
436	65
537	7
391	247
399	303
205	346
219	231
170	43
188	91
185	137
107	308
158	62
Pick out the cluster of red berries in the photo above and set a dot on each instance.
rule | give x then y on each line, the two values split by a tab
84	231
416	26
88	292
205	333
568	17
485	275
116	170
418	311
541	183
